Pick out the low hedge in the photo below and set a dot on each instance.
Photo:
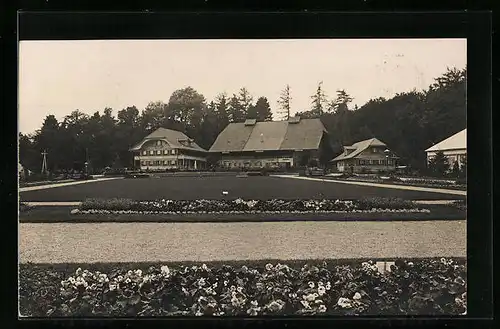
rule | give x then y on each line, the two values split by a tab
419	287
240	205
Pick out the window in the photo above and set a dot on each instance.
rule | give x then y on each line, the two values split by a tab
173	152
164	162
144	152
158	143
165	152
143	163
158	152
149	163
374	150
150	152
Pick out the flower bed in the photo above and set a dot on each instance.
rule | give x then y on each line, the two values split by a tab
248	206
424	182
426	287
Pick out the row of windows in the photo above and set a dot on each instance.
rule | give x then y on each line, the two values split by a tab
361	162
159	152
159	163
237	164
374	162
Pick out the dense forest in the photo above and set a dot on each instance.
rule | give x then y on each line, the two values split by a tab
409	123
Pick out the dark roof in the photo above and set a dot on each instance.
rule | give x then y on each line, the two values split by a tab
174	138
270	136
358	148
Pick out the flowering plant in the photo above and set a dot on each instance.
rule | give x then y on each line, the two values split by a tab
432	286
248	206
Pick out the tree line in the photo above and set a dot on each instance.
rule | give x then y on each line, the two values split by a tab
409	123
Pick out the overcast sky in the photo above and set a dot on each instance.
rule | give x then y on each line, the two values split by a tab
57	77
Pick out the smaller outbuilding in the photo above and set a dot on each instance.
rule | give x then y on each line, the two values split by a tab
367	156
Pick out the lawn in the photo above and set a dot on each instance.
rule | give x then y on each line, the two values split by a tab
193	188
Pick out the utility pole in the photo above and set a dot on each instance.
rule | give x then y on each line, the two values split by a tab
44	162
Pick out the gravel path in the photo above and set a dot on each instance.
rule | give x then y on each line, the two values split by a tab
384	185
130	242
66	183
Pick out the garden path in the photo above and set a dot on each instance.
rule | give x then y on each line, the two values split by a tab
43	187
399	187
134	242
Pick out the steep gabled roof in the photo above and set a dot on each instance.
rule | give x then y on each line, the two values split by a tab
302	134
174	138
457	141
358	148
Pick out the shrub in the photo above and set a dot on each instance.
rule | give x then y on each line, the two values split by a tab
425	287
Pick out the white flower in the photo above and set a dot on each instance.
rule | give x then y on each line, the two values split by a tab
127	280
321	290
165	270
344	302
78	272
311	284
305	304
269	267
410	263
356	296
254	303
201	282
198	313
322	309
235	301
129	273
112	287
204	267
138	272
240	289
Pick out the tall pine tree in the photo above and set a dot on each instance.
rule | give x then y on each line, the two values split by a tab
284	103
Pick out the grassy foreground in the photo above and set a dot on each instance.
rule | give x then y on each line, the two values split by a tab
245	288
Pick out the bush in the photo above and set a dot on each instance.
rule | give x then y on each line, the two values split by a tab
424	287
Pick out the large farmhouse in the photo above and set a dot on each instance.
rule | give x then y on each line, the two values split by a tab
371	155
166	149
454	148
271	144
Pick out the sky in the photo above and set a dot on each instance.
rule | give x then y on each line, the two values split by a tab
57	77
